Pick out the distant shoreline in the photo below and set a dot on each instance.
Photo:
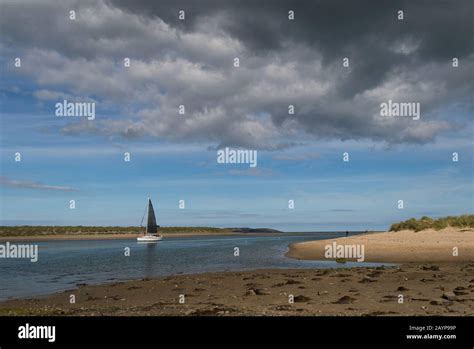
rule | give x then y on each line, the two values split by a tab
120	236
73	233
42	233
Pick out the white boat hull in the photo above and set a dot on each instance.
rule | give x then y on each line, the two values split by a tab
149	238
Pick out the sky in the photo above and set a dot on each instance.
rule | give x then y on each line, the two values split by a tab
191	62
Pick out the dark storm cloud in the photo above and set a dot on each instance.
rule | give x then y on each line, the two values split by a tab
444	26
282	62
362	30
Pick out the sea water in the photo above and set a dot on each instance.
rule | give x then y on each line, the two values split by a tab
62	265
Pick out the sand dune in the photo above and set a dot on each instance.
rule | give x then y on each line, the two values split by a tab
399	247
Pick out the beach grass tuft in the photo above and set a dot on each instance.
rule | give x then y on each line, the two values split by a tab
464	221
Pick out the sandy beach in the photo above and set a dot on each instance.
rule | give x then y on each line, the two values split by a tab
399	247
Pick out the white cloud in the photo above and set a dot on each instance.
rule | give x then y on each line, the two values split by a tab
7	182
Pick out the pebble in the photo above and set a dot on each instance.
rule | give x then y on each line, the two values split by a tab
450	296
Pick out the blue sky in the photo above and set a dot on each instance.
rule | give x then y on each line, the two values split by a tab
329	194
173	157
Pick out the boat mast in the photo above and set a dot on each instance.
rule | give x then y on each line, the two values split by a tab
148	214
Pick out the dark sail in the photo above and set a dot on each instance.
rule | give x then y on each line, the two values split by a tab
151	224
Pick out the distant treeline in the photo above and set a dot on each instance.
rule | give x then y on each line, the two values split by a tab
29	230
464	221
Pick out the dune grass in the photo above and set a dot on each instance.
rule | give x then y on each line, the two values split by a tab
464	221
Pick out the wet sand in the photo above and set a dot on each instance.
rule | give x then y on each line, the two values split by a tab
399	247
427	289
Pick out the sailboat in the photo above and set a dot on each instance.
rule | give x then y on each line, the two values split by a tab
151	233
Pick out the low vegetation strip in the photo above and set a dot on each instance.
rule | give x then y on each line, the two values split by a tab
78	230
